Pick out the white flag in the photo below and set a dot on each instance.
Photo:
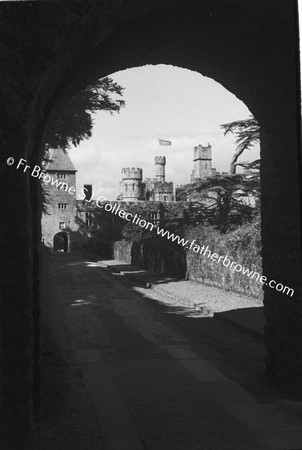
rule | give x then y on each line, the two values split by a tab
164	142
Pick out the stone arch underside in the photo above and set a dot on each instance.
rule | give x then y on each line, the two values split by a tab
250	48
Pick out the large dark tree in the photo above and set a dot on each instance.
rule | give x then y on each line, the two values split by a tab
222	201
247	134
75	123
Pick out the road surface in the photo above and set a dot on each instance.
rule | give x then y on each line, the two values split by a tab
118	375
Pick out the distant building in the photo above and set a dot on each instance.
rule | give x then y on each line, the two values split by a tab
202	157
133	188
69	222
61	204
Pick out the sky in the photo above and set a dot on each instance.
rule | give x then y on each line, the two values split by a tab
161	102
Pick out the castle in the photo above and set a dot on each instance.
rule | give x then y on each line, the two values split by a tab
69	219
133	188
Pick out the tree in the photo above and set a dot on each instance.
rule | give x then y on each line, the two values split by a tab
75	123
223	201
247	134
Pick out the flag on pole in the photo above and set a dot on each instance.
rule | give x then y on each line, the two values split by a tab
164	142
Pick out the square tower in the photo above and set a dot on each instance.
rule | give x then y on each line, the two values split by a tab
202	157
61	201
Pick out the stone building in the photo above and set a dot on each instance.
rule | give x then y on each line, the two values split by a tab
133	188
202	157
60	217
70	222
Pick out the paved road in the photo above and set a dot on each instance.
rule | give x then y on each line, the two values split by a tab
119	377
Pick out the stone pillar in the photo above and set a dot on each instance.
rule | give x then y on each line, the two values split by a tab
16	308
281	241
36	202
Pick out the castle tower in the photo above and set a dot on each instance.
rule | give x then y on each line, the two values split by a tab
202	157
160	162
131	187
61	201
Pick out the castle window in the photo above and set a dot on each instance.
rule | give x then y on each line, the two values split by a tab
126	187
62	225
206	166
62	176
62	205
133	187
88	219
154	216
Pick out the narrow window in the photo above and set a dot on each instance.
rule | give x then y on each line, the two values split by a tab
154	215
89	221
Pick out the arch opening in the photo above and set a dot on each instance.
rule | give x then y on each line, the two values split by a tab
210	47
60	242
248	47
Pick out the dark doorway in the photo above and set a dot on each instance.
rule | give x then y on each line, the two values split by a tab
60	242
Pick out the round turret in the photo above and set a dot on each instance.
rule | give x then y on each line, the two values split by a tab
131	185
133	173
160	162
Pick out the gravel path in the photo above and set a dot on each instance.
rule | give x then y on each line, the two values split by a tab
190	297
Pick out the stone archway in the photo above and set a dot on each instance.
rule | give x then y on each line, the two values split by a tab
250	47
60	242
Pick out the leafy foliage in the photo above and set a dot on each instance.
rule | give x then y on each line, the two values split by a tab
247	134
222	201
75	123
242	245
134	233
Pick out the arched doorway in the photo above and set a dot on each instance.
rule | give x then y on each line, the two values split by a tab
250	48
60	242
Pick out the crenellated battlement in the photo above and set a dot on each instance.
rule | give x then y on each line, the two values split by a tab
160	160
134	173
201	152
132	186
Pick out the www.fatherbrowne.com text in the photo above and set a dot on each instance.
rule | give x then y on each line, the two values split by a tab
196	248
37	172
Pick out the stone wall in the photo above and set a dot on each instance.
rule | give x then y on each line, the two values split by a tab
168	258
205	270
155	254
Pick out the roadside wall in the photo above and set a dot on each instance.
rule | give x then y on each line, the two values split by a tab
241	246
